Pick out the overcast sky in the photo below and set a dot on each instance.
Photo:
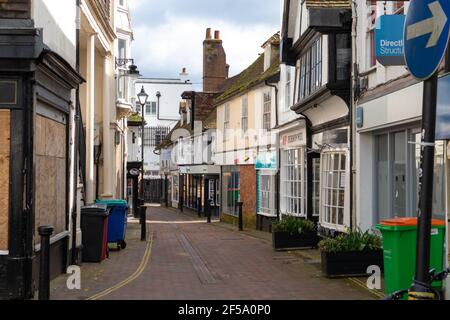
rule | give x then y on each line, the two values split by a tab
169	33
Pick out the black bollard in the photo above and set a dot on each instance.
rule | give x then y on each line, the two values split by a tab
208	211
241	219
44	271
143	222
199	207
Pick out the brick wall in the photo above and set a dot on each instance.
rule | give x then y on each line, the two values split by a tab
15	9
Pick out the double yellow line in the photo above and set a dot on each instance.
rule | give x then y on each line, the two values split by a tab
134	276
361	284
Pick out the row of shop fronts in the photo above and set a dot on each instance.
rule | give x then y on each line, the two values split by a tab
343	159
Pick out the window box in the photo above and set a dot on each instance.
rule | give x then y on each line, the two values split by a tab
289	241
352	263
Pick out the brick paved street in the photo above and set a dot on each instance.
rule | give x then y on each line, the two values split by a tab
192	260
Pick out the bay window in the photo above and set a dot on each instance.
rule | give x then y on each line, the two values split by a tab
333	179
293	182
311	70
266	180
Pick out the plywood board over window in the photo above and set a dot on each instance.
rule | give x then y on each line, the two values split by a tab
50	174
4	176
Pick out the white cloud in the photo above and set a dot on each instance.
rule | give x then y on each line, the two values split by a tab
164	49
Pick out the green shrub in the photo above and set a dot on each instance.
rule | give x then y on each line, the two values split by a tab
294	225
352	241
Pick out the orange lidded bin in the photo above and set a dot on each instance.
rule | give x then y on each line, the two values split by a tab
399	249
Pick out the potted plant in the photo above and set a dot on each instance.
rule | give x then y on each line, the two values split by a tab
351	254
293	233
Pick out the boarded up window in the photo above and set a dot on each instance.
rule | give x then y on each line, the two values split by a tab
50	174
4	177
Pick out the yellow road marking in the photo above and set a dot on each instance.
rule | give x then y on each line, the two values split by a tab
363	285
134	276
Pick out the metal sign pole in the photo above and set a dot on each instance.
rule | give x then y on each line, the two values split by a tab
422	283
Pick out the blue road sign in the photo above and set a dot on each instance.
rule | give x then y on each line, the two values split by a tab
426	36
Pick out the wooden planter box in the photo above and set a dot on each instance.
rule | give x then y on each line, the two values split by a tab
286	240
350	263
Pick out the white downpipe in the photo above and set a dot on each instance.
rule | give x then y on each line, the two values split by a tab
90	114
107	146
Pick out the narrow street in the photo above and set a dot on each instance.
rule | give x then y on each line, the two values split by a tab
190	259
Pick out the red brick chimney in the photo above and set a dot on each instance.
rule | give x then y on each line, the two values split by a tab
15	9
215	70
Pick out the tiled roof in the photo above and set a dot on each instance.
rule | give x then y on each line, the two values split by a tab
329	4
250	77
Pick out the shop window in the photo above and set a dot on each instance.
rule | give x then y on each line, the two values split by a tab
293	184
266	193
333	170
176	189
398	165
231	192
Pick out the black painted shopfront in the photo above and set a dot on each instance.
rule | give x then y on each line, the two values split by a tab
36	90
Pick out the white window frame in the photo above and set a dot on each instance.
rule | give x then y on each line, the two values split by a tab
244	115
293	182
267	111
267	196
226	120
370	33
288	93
331	192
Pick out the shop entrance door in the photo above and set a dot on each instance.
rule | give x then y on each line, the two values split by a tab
212	192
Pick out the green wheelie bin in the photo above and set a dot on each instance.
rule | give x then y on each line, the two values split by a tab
399	247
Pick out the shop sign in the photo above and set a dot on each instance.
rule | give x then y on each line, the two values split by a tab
293	139
266	161
389	40
135	172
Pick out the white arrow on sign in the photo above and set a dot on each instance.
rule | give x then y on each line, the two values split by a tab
434	25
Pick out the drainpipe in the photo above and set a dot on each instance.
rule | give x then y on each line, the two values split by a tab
353	100
277	178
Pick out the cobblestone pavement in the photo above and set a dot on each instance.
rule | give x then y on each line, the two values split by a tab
187	259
